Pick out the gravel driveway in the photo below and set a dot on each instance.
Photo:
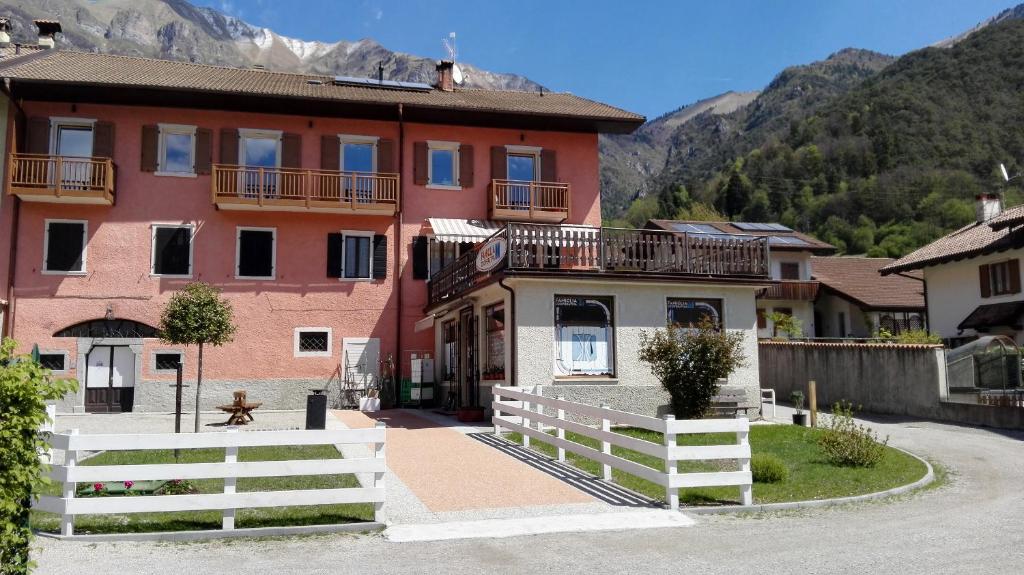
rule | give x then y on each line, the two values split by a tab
974	524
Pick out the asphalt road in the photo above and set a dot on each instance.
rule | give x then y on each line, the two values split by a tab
973	524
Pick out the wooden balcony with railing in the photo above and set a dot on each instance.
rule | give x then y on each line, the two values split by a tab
792	290
60	179
525	201
578	251
297	190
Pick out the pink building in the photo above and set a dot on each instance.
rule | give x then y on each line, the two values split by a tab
319	206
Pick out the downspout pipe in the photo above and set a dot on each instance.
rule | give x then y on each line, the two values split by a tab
399	250
512	333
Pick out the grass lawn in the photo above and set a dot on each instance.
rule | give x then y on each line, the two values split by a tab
811	475
192	520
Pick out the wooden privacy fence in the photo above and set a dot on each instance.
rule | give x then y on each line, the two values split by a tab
70	473
530	420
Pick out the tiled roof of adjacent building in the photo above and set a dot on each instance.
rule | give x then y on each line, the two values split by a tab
799	242
972	240
857	279
80	68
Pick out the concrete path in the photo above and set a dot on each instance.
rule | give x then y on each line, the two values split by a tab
973	525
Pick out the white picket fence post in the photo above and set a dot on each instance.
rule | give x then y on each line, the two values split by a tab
378	477
496	409
606	447
526	423
671	465
67	521
561	430
746	490
230	456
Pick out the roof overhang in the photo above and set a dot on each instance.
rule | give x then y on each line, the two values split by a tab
867	306
984	317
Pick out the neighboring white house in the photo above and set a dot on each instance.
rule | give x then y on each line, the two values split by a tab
854	301
972	276
790	263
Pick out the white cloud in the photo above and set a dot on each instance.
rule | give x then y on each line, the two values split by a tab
379	15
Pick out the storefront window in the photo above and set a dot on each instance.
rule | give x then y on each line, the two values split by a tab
687	313
494	342
451	349
584	335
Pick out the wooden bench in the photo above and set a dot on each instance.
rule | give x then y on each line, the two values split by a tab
240	410
730	401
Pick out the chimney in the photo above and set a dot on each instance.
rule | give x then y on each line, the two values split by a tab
5	31
444	75
987	206
48	30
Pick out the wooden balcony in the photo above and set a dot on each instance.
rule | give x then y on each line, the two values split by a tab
522	201
59	179
792	290
296	190
577	251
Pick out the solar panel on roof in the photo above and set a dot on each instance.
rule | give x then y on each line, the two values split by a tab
387	84
779	228
761	227
786	240
696	228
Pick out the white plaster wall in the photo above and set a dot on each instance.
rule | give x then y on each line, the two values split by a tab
803	258
829	307
954	292
802	310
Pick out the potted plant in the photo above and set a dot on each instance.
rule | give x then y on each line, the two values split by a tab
799	418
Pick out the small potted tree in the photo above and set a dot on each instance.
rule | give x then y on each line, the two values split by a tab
799	418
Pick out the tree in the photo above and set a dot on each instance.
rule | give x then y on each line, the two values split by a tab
25	387
689	363
197	315
785	323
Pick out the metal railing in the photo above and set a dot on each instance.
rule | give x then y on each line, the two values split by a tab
519	199
312	188
61	177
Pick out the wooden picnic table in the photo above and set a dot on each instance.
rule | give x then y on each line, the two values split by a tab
240	409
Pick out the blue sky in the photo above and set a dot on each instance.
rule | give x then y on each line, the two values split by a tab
647	57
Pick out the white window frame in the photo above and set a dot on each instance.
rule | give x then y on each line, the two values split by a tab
353	139
453	147
46	247
534	151
330	343
273	252
344	241
180	130
191	250
157	371
57	121
258	134
67	358
722	305
611	345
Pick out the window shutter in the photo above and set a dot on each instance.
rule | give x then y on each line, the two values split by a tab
419	163
499	163
103	140
335	245
204	150
762	321
330	153
38	138
466	166
548	166
420	258
386	156
150	147
1014	267
291	151
65	244
985	280
380	257
229	146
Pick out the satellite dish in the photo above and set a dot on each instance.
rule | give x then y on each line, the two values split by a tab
1002	168
457	75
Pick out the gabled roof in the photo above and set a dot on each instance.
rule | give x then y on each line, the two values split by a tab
857	279
972	240
796	241
117	79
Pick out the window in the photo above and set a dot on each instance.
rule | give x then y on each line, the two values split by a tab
494	342
54	361
523	165
1003	278
444	253
355	263
443	164
64	245
583	335
762	320
358	154
255	253
259	149
176	153
72	137
312	342
688	313
789	270
172	250
166	362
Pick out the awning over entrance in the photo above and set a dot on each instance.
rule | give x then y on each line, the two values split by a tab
424	324
454	230
994	315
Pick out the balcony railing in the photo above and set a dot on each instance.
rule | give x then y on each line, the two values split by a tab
615	251
60	179
795	290
287	189
529	201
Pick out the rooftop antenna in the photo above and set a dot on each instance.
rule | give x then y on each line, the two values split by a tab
449	44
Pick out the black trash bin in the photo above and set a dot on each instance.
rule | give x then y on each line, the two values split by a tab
316	410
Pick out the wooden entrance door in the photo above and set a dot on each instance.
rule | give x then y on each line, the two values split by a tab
109	379
469	376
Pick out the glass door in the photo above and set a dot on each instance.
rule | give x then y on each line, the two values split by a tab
73	143
522	169
357	163
259	152
469	376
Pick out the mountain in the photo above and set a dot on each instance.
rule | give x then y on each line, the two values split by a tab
178	30
1015	13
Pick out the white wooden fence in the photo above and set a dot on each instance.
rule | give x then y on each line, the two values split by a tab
527	418
70	473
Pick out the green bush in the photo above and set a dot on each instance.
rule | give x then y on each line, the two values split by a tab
768	468
849	444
